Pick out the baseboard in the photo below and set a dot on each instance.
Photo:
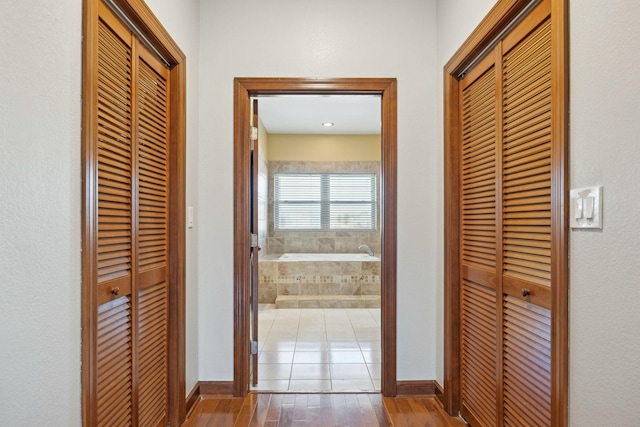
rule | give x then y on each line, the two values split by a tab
439	392
206	387
192	399
409	388
216	387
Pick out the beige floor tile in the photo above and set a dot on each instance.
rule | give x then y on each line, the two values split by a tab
276	357
370	345
274	371
278	345
374	370
311	326
285	335
338	326
345	357
343	346
368	333
312	335
302	345
290	313
372	356
344	335
310	371
284	325
349	371
311	357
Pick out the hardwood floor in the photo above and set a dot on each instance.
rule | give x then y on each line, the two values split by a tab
319	410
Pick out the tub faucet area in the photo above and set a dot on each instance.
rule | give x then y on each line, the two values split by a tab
369	251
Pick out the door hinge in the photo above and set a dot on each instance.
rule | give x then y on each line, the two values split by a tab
464	420
254	240
253	135
254	347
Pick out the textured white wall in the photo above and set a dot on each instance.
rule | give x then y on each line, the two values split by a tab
182	21
604	315
359	38
40	212
604	318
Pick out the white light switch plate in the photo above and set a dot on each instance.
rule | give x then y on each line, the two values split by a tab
586	207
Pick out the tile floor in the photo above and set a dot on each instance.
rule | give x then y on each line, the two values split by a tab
311	349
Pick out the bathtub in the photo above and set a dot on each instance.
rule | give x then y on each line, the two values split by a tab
352	277
357	257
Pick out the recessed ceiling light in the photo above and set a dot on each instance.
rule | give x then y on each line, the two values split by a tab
327	124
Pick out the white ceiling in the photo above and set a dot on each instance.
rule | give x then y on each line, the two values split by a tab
304	114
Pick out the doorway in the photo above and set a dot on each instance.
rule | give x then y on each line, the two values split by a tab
316	299
245	89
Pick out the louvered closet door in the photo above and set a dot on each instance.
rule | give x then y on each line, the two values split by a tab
479	244
132	244
153	226
115	225
506	230
526	268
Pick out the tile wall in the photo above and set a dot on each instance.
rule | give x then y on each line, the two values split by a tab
279	242
317	278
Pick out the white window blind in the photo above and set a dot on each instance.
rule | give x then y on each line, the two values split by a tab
325	201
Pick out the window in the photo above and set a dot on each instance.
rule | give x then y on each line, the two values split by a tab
325	201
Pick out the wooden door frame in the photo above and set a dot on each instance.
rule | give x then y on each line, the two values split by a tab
498	19
244	89
148	26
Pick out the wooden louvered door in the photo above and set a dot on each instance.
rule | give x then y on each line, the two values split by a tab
526	222
152	239
479	245
133	224
505	230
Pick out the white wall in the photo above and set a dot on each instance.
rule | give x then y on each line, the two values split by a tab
604	318
604	315
182	21
359	38
40	212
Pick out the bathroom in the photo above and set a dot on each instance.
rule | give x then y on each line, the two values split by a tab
319	326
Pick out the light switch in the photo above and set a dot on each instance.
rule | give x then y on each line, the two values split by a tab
190	217
577	209
586	208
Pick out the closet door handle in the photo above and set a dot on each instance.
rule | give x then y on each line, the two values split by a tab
525	292
115	291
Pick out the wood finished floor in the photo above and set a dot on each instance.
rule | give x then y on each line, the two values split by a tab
319	410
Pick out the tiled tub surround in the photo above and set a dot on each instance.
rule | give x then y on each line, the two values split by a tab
322	242
319	280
